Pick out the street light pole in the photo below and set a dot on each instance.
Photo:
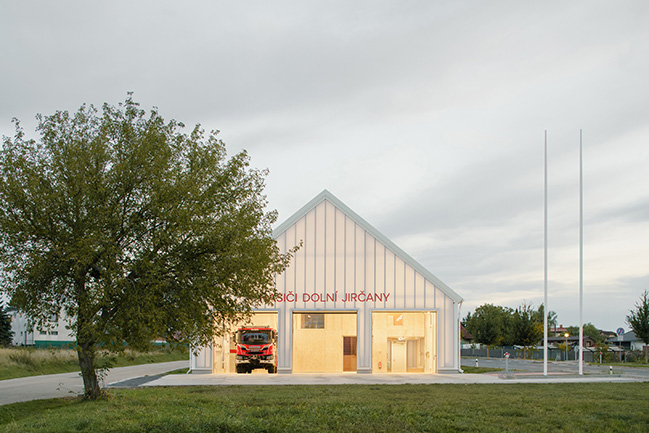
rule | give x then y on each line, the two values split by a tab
581	258
546	311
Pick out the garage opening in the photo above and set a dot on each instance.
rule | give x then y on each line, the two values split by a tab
225	347
404	342
324	342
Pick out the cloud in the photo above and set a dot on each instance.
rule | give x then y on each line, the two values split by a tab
426	118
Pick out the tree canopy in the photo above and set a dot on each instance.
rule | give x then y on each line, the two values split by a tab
495	325
526	326
489	324
133	229
638	320
589	330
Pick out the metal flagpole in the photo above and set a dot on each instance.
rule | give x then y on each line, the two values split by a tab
545	261
581	257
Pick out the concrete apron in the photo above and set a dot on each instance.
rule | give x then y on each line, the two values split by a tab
370	379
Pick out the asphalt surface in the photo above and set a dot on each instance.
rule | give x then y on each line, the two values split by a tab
520	371
71	384
522	366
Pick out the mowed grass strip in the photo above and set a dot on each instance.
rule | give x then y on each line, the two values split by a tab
23	362
479	370
345	408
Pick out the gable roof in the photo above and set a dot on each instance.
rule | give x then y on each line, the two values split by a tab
627	336
327	196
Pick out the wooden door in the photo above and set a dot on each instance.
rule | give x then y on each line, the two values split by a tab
349	353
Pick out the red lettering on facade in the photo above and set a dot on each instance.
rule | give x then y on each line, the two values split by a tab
323	298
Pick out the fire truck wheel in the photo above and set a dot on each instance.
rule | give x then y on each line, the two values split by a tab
241	369
272	369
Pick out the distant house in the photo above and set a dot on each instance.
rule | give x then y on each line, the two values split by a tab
628	341
466	335
558	331
571	340
26	334
23	335
607	334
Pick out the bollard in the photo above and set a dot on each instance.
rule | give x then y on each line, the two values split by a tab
610	369
476	362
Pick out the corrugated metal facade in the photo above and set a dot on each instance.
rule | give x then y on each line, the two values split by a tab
344	264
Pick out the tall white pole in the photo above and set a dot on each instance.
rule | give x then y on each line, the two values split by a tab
545	261
581	257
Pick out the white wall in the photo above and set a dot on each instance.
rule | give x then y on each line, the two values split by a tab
342	258
345	264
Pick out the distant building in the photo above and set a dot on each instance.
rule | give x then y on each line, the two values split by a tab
466	335
26	334
557	331
628	341
572	340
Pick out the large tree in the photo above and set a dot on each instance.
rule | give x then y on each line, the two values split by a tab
552	317
638	320
132	228
489	324
526	327
589	330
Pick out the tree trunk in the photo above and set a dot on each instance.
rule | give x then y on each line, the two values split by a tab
86	340
645	349
91	388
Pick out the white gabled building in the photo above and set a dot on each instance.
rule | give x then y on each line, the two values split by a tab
351	300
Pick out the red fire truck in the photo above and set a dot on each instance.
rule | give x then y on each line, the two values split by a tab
256	348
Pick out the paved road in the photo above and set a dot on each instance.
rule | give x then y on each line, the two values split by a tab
67	384
560	367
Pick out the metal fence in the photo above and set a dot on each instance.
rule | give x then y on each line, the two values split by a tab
534	353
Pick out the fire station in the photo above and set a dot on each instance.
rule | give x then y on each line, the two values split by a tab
350	301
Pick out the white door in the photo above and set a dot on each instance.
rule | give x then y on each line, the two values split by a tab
399	352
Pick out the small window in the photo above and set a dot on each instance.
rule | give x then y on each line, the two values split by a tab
54	332
313	321
349	346
398	320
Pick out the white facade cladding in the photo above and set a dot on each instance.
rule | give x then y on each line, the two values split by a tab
384	312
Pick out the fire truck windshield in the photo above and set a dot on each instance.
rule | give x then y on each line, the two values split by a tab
255	338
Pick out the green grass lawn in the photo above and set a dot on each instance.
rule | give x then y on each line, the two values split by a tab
345	408
636	364
478	370
22	362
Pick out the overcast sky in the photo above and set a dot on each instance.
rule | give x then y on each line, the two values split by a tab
425	117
